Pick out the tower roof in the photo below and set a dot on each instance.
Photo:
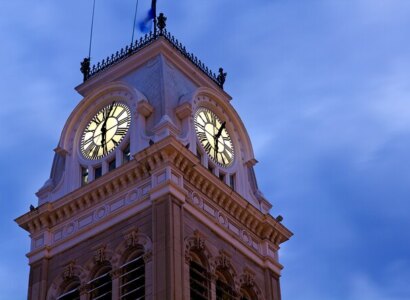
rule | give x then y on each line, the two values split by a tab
90	72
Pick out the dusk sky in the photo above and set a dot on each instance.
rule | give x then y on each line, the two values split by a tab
323	87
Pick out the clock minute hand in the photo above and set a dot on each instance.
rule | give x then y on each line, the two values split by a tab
108	115
220	130
218	134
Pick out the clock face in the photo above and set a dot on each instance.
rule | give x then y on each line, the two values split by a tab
214	137
105	131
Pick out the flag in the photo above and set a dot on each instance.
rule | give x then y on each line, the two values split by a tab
144	25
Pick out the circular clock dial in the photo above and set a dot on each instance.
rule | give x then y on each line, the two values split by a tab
105	131
214	137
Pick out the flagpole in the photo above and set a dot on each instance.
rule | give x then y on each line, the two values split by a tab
135	20
91	34
154	12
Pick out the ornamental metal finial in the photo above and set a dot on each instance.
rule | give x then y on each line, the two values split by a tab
221	77
85	68
161	23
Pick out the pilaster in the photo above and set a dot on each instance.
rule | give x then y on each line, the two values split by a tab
168	253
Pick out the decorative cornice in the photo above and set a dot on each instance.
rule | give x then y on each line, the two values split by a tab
166	151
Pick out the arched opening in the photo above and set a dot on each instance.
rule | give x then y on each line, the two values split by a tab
132	279
224	285
248	294
70	290
199	282
101	285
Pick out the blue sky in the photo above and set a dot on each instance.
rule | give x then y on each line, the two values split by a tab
322	86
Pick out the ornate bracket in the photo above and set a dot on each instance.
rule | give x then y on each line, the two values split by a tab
100	255
69	270
132	239
196	242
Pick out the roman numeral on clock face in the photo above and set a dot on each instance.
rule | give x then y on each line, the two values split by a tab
88	140
202	137
123	121
199	125
121	131
207	147
95	151
89	148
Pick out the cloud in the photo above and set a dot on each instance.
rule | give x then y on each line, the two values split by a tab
362	287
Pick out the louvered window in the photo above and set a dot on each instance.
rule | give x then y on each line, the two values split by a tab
101	286
224	291
199	282
71	292
133	279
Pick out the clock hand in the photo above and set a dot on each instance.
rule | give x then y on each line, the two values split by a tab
220	130
218	134
104	128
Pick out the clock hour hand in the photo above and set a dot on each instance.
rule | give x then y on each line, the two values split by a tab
104	129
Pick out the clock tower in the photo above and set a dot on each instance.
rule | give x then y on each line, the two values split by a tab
152	192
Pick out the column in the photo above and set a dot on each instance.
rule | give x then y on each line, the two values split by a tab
84	291
213	286
115	276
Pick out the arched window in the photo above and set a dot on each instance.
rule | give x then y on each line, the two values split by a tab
133	278
247	295
199	282
224	285
70	291
101	285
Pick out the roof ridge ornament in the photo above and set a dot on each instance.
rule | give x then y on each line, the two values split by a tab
161	23
221	77
85	68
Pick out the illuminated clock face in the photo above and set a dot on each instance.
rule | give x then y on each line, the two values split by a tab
105	131
214	137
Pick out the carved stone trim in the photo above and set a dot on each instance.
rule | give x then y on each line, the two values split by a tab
68	272
116	273
100	254
131	239
222	261
196	243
